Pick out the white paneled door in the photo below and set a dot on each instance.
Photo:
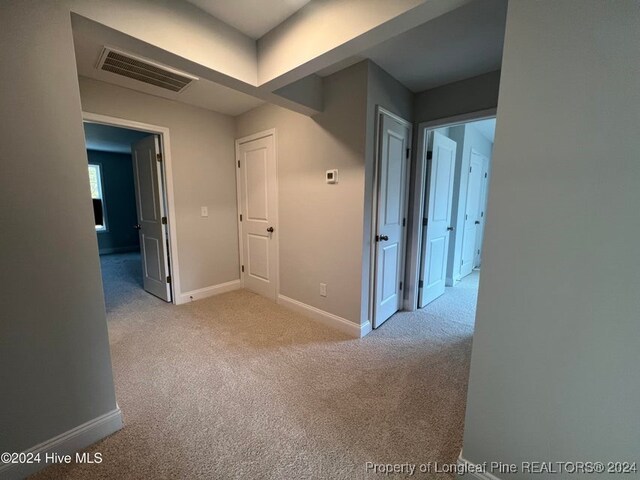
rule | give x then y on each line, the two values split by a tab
439	198
394	143
472	212
152	223
257	174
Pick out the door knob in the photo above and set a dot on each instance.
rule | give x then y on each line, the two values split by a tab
270	229
137	227
382	238
451	229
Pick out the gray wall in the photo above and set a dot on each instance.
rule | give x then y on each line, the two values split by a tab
203	159
320	224
554	370
119	202
54	350
466	96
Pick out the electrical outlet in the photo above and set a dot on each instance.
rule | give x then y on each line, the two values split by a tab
204	212
323	289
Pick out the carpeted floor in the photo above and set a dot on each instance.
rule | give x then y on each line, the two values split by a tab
235	386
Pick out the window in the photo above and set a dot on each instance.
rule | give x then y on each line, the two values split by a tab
95	180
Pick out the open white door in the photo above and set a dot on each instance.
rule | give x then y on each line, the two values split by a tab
257	176
472	213
393	162
439	198
152	222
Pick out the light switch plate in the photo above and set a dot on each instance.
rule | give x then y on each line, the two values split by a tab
332	176
204	212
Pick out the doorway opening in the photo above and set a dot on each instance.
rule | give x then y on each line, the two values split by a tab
453	173
128	176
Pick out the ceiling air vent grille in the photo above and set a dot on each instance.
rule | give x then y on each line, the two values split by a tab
144	70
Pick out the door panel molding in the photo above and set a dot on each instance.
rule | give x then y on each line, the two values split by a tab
271	266
389	214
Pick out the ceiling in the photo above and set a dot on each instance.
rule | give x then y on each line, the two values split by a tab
203	93
458	45
254	18
110	139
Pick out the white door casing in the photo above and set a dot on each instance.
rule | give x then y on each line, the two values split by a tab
472	213
484	191
438	209
394	141
147	173
257	192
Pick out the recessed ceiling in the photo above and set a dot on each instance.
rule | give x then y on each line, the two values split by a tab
203	93
458	45
111	139
252	17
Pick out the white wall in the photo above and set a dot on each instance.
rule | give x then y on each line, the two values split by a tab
203	161
320	224
467	137
554	370
55	366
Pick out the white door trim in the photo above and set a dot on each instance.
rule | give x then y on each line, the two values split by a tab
380	111
417	200
165	143
239	141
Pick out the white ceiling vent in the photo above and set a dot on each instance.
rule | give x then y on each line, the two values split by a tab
143	70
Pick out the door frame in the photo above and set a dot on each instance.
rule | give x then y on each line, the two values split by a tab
380	111
417	199
256	136
167	181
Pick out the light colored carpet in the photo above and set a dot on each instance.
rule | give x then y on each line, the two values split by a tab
235	386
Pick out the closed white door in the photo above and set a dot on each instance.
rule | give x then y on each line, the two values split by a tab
393	162
257	174
152	222
439	198
472	213
484	192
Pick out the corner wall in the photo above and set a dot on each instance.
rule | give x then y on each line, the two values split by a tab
320	224
554	368
54	347
203	164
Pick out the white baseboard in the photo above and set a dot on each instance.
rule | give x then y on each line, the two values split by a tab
66	444
327	318
474	470
208	292
109	251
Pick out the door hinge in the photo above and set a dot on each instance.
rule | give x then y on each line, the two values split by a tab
425	221
159	157
420	284
429	155
470	168
485	174
168	278
240	217
243	268
404	222
400	285
164	220
466	217
408	153
238	163
481	214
